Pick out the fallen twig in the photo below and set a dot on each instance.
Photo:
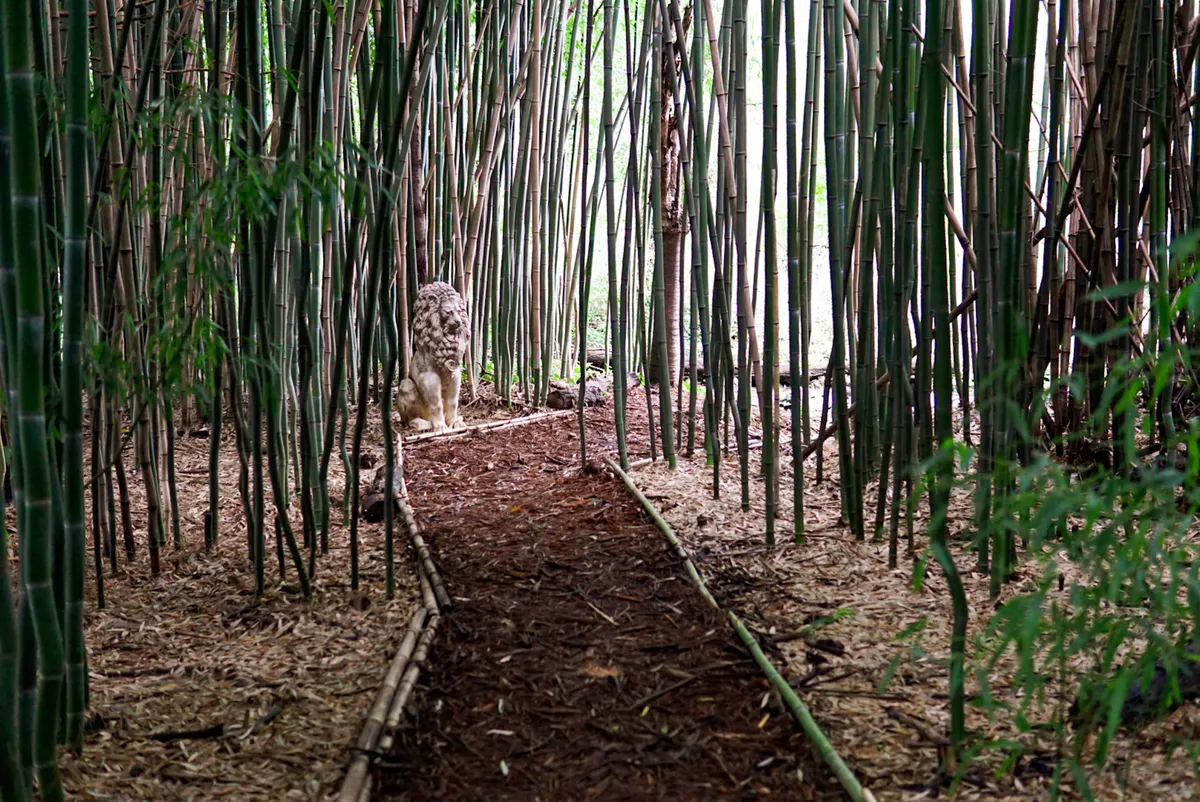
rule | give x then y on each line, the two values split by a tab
923	729
215	731
674	686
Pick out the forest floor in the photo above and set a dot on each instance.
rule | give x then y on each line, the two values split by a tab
840	622
577	662
201	691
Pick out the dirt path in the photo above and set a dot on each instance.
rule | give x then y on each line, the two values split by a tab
578	663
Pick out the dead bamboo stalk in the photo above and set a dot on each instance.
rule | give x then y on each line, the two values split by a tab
355	781
407	685
451	434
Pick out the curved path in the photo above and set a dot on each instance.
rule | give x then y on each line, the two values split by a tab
578	662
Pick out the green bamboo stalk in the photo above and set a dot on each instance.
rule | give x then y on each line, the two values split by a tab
1159	170
1011	329
700	194
311	508
37	558
795	239
536	279
863	388
769	384
585	279
615	294
931	112
738	210
981	78
399	130
14	743
74	270
839	231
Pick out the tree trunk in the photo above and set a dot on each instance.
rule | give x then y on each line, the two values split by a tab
674	220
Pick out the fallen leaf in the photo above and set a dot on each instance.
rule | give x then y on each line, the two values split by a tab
600	672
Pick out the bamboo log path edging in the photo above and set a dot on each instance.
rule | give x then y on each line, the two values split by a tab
356	781
400	681
407	685
799	710
426	560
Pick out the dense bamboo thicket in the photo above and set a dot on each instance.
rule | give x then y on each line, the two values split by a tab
219	214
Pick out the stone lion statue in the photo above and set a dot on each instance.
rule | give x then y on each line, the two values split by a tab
428	398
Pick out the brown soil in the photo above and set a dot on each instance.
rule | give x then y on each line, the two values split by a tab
577	663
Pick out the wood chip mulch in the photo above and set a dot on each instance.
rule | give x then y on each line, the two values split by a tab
578	662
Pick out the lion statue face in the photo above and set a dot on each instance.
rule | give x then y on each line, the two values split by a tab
440	326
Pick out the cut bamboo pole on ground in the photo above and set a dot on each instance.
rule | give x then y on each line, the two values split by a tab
451	434
802	715
799	710
665	528
356	779
422	549
407	685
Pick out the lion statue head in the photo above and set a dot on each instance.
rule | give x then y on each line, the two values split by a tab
440	325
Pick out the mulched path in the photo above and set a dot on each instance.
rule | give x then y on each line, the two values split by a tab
578	662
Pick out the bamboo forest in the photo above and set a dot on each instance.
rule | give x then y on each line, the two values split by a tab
599	400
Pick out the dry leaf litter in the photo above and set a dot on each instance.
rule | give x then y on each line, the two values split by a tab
274	690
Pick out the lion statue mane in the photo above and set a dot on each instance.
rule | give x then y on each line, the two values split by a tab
428	398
